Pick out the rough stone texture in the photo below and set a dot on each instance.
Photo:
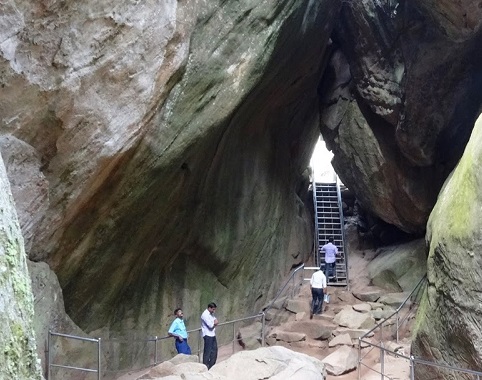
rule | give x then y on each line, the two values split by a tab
387	280
343	360
340	340
353	319
448	327
395	130
298	306
399	267
158	150
370	295
288	336
17	338
320	330
50	315
362	307
249	337
354	333
394	299
276	363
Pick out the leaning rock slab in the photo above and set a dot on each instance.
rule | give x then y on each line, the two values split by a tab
343	360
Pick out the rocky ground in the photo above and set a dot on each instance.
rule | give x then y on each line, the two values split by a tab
331	337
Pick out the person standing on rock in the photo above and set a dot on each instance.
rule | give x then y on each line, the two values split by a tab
178	331
208	328
318	289
331	251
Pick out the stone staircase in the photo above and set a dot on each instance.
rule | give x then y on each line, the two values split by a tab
333	336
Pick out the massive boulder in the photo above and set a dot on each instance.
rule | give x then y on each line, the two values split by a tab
158	150
399	100
19	357
448	322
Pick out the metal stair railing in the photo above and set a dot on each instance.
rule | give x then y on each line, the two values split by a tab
342	227
317	229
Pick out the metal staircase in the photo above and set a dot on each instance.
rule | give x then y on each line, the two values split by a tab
329	222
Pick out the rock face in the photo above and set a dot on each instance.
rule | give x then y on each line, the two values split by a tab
19	357
402	266
395	130
158	150
448	322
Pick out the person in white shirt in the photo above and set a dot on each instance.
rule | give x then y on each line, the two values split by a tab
208	328
318	288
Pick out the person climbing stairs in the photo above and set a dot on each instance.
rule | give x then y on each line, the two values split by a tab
329	223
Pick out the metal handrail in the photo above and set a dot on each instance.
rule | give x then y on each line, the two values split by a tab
316	232
380	324
156	339
413	360
291	278
51	365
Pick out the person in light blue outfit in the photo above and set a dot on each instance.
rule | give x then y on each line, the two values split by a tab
178	331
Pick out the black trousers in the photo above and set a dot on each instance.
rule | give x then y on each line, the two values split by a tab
317	303
210	353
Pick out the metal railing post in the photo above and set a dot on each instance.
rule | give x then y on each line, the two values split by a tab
155	350
382	361
48	356
263	326
99	375
359	358
412	368
234	336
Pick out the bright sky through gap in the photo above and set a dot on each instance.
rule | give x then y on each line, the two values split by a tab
321	163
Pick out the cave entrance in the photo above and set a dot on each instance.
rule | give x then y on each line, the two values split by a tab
328	217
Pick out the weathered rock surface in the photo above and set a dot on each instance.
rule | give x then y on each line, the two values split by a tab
340	340
369	295
19	358
158	151
384	113
400	267
50	315
353	319
344	359
277	363
448	322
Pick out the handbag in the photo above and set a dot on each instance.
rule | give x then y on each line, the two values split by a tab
326	298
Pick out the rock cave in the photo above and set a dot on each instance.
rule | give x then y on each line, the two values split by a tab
157	153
